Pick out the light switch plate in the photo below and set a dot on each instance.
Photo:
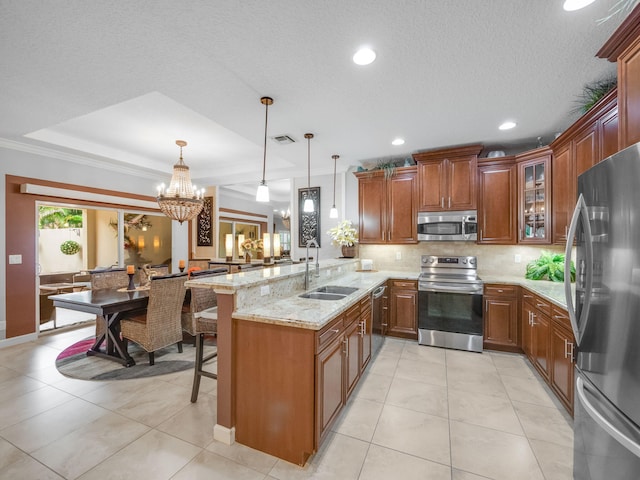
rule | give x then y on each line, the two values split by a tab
264	290
517	258
15	259
398	255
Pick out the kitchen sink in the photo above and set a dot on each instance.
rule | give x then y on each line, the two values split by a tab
329	292
336	289
323	296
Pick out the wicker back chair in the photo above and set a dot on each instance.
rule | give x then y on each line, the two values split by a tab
160	325
107	278
201	299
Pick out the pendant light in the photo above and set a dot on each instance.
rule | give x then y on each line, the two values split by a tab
181	201
308	206
262	195
333	213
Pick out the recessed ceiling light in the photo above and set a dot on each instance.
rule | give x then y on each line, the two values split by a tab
571	5
364	56
507	125
397	141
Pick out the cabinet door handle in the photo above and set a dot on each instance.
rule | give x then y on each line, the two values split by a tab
480	234
362	329
335	330
540	305
449	202
500	290
346	346
441	202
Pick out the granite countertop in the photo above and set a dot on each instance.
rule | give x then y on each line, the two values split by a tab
552	291
314	314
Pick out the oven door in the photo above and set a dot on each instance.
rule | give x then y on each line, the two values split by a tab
450	319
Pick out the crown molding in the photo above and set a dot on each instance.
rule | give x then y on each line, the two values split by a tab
80	159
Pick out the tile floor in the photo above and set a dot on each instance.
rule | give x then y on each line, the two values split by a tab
419	413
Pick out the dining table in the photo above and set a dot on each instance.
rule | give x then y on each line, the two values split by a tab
108	305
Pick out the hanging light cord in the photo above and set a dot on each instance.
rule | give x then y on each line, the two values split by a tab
335	160
309	162
264	158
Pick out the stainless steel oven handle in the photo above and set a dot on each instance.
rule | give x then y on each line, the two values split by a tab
444	289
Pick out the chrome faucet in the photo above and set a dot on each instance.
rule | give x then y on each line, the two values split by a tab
306	269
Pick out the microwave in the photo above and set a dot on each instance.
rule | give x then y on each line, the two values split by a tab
443	226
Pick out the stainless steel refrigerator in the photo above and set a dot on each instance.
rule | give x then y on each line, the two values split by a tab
605	316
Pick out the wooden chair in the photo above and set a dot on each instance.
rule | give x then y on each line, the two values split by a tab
159	326
107	278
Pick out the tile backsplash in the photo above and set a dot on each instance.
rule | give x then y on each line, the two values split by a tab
492	259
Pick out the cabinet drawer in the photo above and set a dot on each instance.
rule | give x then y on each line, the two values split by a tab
499	290
365	303
544	306
527	296
409	284
352	314
561	316
328	333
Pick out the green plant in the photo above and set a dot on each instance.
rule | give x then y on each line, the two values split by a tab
594	91
70	247
58	217
388	167
549	265
343	235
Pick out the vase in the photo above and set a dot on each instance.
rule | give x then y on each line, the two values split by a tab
259	255
247	258
348	252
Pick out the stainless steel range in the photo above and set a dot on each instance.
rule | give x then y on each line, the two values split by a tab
450	303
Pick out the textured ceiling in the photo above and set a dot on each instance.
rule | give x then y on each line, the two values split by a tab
117	82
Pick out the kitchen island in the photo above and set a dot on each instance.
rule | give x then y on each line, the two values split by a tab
286	364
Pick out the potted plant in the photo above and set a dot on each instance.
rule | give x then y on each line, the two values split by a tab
549	266
345	236
70	247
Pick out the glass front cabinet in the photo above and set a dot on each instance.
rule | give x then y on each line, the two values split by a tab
534	179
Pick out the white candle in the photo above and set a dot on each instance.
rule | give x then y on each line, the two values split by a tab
240	242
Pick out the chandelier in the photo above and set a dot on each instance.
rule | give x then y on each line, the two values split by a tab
181	201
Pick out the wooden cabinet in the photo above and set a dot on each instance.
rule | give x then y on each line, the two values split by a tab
501	320
403	314
588	141
447	179
623	47
387	206
534	174
497	196
330	385
535	329
562	357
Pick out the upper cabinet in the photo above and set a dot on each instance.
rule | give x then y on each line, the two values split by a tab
623	47
447	179
387	206
589	140
534	173
497	195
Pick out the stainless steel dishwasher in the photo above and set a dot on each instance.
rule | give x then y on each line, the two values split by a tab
377	327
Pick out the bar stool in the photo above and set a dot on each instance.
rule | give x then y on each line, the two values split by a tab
206	324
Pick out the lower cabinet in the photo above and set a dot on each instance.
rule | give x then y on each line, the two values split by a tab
548	341
403	313
562	357
535	331
501	324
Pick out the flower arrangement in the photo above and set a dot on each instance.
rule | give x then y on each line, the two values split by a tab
70	247
248	245
343	235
